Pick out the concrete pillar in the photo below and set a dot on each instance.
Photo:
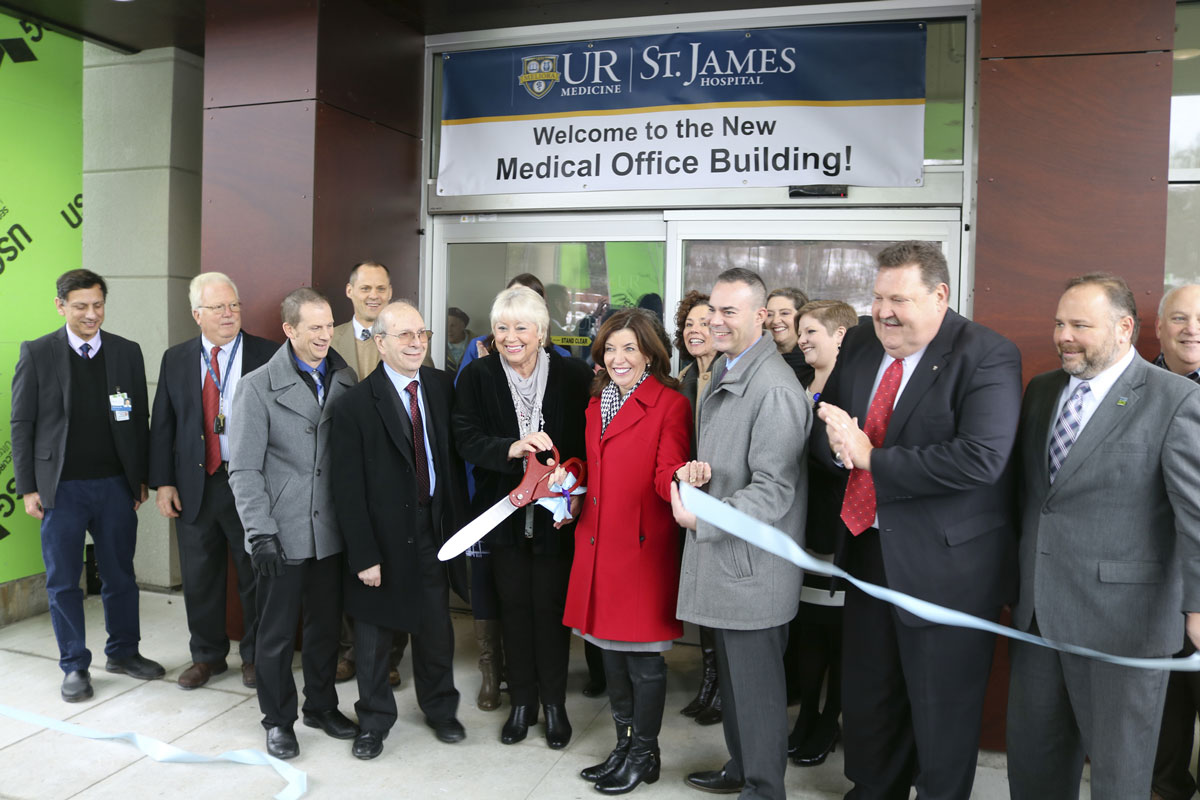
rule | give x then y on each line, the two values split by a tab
141	230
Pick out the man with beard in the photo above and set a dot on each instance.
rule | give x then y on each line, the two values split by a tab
1109	550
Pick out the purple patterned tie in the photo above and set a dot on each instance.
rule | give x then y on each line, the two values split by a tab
1066	428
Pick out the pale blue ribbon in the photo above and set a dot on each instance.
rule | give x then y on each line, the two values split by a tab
765	537
559	505
297	781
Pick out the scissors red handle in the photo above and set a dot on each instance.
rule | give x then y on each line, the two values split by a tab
534	484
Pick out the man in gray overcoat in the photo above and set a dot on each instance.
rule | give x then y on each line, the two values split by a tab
754	425
280	476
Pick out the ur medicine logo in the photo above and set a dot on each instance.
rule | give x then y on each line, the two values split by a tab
539	74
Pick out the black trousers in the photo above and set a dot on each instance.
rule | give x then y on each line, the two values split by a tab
533	594
203	545
312	588
754	708
432	648
912	698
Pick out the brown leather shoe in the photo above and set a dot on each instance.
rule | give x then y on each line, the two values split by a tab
345	670
199	672
248	676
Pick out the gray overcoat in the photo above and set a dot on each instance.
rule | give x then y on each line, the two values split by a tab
279	456
754	428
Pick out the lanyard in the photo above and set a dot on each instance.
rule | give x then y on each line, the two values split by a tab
229	364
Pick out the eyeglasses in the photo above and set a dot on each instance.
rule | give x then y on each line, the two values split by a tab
406	337
233	307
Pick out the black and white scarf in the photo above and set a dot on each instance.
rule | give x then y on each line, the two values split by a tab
611	401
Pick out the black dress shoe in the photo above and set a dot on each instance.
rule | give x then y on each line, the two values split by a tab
368	744
558	727
714	781
448	730
135	666
595	688
333	722
817	746
281	742
77	686
517	726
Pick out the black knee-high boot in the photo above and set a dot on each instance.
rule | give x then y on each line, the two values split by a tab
708	677
620	698
648	674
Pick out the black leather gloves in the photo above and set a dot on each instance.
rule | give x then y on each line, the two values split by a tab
266	554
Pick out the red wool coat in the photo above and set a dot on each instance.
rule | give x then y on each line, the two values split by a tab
625	575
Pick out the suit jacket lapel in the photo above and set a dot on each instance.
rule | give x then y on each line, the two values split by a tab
388	405
293	391
62	365
437	407
925	374
634	409
1109	414
1044	410
191	378
864	378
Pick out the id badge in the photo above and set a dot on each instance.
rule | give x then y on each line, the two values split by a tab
120	406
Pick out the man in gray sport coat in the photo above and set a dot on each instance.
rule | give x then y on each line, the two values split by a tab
279	473
1109	551
754	425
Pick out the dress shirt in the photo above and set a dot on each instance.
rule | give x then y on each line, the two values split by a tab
229	379
1099	385
401	383
358	329
76	343
731	362
1161	361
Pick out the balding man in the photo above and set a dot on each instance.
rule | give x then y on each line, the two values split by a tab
189	466
1178	332
279	470
1109	550
398	487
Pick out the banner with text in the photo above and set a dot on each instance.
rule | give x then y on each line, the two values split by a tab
41	218
842	104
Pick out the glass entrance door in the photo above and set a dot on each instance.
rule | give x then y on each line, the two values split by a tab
593	264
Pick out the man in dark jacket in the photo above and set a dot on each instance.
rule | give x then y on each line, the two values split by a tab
397	487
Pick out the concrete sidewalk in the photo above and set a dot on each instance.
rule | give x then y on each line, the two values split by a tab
38	764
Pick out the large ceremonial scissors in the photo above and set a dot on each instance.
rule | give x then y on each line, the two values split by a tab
532	487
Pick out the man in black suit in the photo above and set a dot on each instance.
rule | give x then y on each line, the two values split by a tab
196	386
79	416
398	488
927	510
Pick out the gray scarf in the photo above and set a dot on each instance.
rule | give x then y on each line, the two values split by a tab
527	395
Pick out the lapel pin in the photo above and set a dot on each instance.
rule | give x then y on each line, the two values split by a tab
935	366
1122	401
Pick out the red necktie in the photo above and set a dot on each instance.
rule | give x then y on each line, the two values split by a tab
211	400
858	505
419	457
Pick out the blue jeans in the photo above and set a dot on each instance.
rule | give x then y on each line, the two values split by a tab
103	506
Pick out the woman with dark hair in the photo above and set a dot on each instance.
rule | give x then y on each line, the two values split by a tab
693	341
625	576
783	307
817	629
508	408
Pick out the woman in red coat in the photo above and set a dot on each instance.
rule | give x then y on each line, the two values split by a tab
625	574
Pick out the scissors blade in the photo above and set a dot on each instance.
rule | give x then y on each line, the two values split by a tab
476	529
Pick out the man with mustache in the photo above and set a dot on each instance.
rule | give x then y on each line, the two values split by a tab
922	410
1110	550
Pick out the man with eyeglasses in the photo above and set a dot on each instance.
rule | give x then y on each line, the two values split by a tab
398	488
189	468
369	288
279	470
